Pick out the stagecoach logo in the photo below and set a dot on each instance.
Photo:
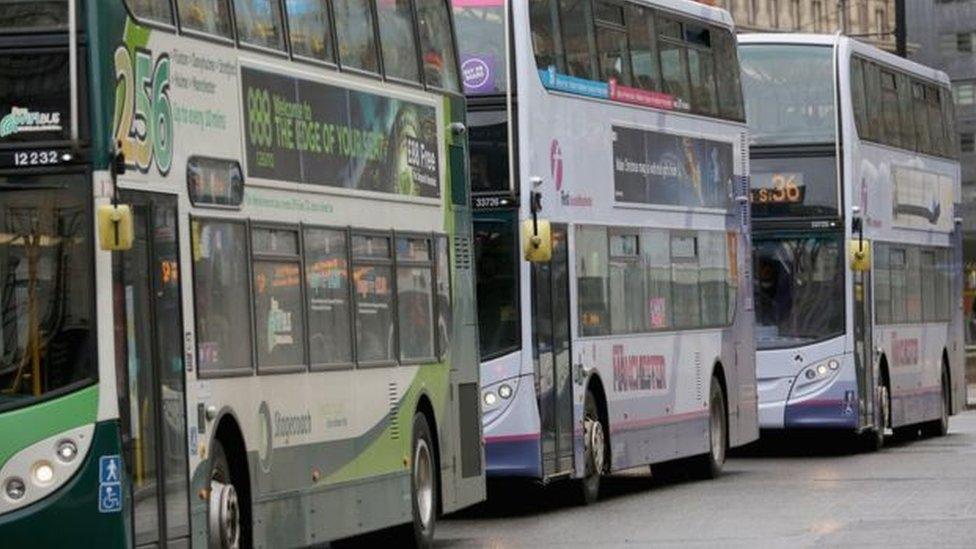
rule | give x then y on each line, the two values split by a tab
21	120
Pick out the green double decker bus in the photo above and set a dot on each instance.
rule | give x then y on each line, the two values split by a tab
236	291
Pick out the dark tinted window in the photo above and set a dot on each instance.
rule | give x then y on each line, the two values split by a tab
496	258
799	289
46	324
488	152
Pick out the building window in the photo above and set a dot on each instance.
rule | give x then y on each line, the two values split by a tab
964	42
967	142
964	93
881	20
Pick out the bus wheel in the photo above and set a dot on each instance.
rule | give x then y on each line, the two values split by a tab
594	449
709	465
940	427
224	514
423	483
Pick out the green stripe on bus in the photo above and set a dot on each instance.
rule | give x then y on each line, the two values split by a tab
385	454
21	428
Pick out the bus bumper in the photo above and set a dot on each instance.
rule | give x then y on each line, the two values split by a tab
833	407
512	440
70	516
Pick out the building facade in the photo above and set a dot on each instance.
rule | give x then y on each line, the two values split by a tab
945	34
871	20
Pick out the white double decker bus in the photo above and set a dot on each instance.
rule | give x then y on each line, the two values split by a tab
617	128
858	253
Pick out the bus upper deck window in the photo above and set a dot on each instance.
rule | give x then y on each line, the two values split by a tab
152	10
209	16
309	29
354	33
437	48
259	23
398	38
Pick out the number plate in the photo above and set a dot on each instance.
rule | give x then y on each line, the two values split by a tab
30	159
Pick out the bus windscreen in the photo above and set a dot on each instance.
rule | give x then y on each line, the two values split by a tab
799	289
789	93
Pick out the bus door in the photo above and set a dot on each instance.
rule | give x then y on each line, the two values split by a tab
151	369
552	357
864	363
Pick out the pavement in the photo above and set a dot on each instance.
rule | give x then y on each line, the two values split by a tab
806	492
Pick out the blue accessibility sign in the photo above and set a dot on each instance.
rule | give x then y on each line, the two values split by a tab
109	469
109	484
109	498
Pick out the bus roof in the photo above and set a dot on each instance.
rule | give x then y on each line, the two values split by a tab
693	9
848	45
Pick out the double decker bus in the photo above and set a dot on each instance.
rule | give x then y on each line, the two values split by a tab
235	272
857	248
608	155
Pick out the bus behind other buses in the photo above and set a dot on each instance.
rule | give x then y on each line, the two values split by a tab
855	185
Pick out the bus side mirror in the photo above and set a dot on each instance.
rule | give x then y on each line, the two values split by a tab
537	240
114	227
860	255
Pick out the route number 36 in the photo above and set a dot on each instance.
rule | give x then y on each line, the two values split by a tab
143	114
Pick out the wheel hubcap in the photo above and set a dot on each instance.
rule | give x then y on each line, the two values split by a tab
596	446
423	475
224	516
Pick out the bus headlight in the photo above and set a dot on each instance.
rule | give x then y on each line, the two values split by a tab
815	377
43	473
505	391
67	450
490	399
14	488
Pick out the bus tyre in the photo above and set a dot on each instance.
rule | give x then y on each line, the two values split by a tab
872	440
424	491
709	465
594	451
224	512
940	427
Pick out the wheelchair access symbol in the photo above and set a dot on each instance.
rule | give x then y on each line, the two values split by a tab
109	484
